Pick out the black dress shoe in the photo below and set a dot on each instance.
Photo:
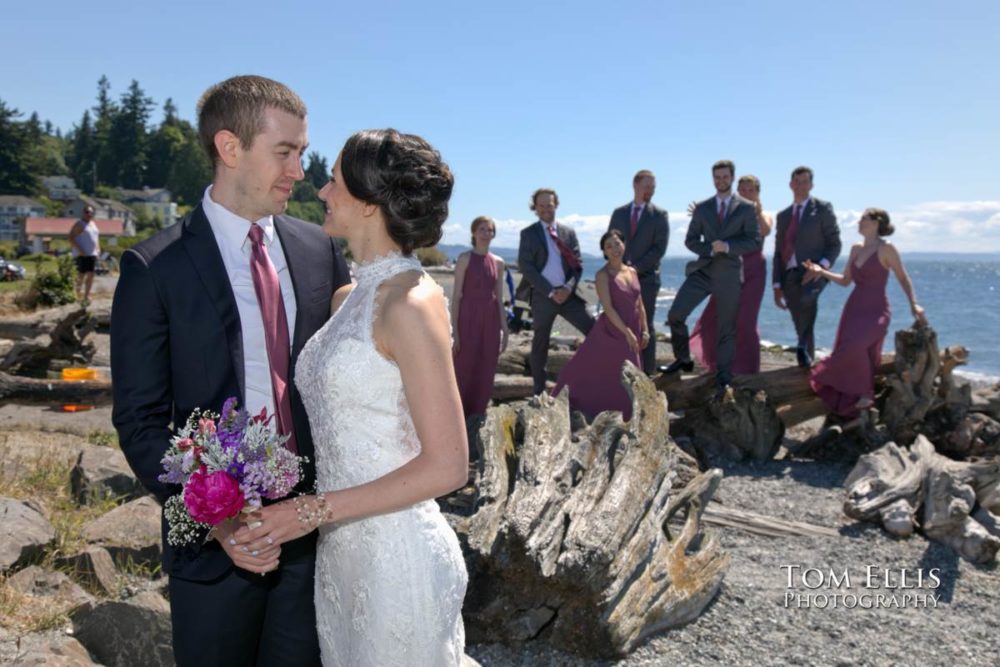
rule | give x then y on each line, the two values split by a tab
677	365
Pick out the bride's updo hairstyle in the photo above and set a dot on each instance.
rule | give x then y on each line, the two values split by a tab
881	216
405	177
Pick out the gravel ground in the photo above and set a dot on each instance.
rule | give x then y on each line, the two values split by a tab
749	622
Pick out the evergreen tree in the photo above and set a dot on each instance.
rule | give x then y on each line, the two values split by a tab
164	146
127	139
16	176
104	114
82	154
190	170
317	171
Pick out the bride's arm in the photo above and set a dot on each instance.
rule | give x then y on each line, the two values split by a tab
413	330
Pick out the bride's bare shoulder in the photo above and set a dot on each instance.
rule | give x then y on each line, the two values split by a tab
337	300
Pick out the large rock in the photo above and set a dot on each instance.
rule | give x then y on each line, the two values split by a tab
102	472
24	452
24	533
48	651
129	532
39	582
95	568
127	633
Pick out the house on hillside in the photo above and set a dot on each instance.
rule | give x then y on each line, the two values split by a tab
154	202
38	233
104	209
13	210
61	188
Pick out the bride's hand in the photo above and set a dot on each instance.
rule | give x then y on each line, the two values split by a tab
281	522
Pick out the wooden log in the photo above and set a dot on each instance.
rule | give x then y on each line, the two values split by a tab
87	392
953	502
569	543
67	342
761	524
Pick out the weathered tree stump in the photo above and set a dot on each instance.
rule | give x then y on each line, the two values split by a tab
743	425
568	541
953	502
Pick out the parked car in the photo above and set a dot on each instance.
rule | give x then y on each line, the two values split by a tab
11	271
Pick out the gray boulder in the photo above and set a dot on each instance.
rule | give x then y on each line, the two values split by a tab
127	633
24	532
95	568
103	472
130	531
38	582
52	651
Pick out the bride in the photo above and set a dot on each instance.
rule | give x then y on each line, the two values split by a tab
378	385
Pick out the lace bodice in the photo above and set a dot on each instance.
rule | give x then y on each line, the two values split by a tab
389	588
352	393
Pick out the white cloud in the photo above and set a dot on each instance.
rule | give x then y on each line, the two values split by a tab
937	226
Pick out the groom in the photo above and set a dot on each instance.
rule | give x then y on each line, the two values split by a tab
220	305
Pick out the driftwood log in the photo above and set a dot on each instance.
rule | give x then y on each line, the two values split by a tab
30	390
911	488
68	342
569	541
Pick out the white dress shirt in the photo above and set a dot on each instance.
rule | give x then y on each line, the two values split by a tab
232	236
553	270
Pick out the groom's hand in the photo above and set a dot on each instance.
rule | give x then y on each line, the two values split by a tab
244	555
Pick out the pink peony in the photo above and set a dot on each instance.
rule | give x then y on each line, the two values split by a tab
212	498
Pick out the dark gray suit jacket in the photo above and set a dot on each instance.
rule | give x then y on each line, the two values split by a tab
817	238
533	252
739	229
645	251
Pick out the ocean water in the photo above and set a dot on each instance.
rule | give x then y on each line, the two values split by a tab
961	294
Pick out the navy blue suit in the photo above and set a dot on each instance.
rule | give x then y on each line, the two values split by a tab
177	345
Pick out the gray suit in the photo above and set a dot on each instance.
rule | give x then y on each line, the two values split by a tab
532	254
645	253
817	238
715	274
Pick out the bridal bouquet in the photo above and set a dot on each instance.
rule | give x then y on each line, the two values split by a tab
226	464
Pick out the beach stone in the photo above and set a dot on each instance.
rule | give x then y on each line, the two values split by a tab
38	582
24	532
45	651
24	452
95	568
130	531
123	633
102	472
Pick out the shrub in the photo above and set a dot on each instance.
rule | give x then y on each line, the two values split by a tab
51	288
431	256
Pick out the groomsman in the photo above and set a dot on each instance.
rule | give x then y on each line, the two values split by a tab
722	229
806	230
646	231
549	259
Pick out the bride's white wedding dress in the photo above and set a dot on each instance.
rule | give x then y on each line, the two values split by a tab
389	588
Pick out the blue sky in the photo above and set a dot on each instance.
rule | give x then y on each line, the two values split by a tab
893	104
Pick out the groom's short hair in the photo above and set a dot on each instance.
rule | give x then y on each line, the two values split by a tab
237	104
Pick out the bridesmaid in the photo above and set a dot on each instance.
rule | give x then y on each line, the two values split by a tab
704	337
478	320
593	375
846	379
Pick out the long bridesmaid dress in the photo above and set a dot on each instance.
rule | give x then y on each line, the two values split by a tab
848	374
478	334
593	375
705	336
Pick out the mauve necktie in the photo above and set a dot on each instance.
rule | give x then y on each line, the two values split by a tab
635	220
272	311
722	211
788	246
564	250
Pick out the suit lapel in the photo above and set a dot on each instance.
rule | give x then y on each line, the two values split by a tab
201	246
297	253
543	239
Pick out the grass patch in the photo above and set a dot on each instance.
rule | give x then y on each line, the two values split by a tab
103	438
